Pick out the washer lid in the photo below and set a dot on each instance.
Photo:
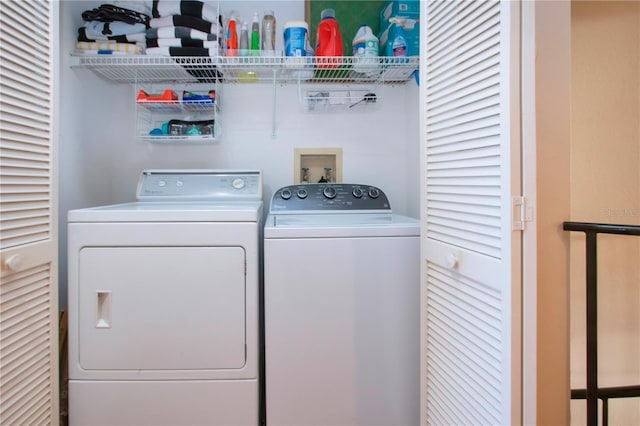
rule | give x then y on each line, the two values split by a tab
173	211
340	225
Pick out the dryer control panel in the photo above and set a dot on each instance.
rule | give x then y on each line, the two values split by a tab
329	197
210	185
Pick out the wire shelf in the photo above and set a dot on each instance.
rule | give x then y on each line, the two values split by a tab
175	107
251	69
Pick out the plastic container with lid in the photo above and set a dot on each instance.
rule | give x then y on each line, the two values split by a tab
329	39
295	38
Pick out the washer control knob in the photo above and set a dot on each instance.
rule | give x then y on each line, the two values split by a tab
238	183
357	192
162	182
285	194
302	193
179	183
374	193
329	192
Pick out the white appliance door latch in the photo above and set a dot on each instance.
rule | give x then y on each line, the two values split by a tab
522	213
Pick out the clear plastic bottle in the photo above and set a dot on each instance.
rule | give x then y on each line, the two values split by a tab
268	33
244	39
255	36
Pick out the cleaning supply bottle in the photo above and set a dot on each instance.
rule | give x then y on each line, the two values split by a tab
365	51
244	39
269	33
399	43
255	36
329	39
232	36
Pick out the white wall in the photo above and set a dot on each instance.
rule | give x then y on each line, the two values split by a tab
100	159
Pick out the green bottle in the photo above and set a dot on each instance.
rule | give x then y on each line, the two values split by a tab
255	36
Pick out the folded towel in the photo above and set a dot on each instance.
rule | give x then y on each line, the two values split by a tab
197	9
124	38
179	32
181	42
106	45
185	21
96	29
181	51
101	52
142	6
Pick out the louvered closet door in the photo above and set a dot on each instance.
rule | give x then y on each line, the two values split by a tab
470	283
28	286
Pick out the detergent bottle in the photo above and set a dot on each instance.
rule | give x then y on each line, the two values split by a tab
329	39
365	51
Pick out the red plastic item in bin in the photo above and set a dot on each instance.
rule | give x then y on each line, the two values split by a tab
166	96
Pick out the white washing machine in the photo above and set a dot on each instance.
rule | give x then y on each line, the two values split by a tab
342	295
164	303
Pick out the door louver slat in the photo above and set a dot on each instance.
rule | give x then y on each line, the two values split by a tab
472	366
28	302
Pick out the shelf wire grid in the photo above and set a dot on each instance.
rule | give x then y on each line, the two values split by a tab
250	69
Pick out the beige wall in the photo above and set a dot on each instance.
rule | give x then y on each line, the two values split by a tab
605	188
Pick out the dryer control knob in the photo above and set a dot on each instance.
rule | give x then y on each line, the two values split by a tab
238	183
329	192
357	192
374	193
302	193
285	194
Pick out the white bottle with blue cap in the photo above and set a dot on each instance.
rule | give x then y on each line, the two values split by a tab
365	51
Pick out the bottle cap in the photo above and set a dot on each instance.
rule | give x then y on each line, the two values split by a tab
327	13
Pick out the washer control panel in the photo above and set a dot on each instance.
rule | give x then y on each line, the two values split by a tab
329	197
200	185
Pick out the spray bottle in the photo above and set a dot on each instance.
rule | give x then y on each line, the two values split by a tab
399	43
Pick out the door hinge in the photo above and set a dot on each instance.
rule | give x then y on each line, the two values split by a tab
522	213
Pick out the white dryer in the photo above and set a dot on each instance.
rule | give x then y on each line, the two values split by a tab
164	303
342	296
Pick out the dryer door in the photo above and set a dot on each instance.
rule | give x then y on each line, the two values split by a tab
161	308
